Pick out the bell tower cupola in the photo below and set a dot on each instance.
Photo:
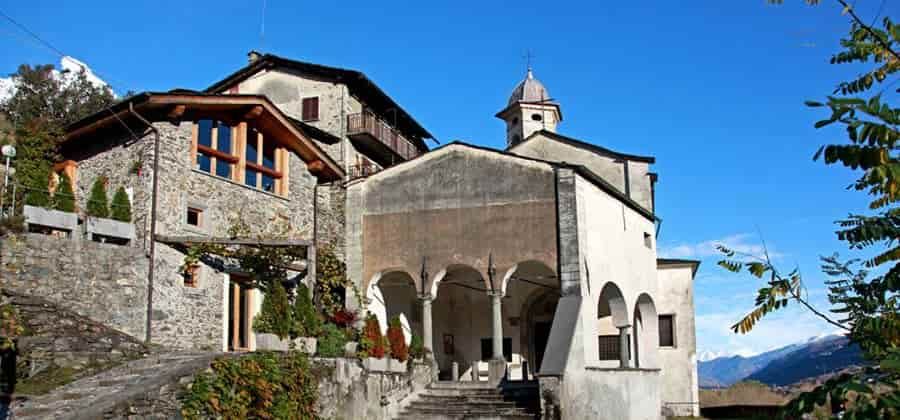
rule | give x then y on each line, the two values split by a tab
529	109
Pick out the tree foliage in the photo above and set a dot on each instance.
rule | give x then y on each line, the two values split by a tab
372	342
275	316
98	201
863	292
121	206
37	193
399	350
307	322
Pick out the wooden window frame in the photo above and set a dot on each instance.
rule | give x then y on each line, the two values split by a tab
199	216
238	158
191	276
306	114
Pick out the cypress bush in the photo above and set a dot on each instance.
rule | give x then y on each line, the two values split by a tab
275	315
306	321
121	206
372	342
399	350
416	347
64	198
98	203
331	341
38	194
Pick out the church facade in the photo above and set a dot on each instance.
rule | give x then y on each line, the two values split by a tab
534	263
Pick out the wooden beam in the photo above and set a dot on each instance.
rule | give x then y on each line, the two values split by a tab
316	167
188	240
176	113
254	113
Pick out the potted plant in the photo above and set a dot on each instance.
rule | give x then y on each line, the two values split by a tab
372	346
56	212
114	222
399	350
306	322
273	323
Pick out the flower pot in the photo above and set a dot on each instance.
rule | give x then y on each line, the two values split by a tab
271	342
109	228
375	365
305	345
54	219
396	366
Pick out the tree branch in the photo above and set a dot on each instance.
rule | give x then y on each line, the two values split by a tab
865	27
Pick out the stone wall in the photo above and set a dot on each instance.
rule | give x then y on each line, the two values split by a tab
351	392
331	219
108	284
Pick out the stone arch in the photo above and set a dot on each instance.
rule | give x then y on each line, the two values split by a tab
392	293
465	274
612	304
538	307
645	332
532	270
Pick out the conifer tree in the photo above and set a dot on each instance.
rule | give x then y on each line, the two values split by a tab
98	203
121	206
275	315
64	198
38	194
306	321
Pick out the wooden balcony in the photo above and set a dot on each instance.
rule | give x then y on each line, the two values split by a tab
382	141
362	171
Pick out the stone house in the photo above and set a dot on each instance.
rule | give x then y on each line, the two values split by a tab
534	262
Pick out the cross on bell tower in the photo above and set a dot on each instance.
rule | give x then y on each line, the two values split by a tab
530	108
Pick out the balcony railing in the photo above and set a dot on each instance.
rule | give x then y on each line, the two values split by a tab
366	123
362	171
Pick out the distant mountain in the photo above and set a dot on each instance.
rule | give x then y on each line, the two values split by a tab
725	371
783	366
70	67
817	358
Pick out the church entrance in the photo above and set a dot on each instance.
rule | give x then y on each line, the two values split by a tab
541	338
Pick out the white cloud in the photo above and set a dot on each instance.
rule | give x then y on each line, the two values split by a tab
70	68
741	243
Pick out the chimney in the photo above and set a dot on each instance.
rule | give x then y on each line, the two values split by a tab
252	56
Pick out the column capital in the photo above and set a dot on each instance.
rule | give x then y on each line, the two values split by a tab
425	297
495	293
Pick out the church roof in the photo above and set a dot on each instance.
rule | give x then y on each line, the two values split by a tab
586	146
529	90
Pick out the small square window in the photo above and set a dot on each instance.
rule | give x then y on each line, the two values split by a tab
191	276
648	240
194	216
310	110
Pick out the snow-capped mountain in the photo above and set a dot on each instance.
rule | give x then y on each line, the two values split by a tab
68	69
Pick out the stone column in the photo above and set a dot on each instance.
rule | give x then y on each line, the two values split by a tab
623	347
497	364
426	324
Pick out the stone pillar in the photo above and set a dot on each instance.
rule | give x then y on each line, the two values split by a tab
623	347
426	325
497	364
454	372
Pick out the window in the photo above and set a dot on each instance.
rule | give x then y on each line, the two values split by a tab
536	117
242	154
264	163
215	148
608	346
666	330
191	276
310	109
648	240
487	349
194	216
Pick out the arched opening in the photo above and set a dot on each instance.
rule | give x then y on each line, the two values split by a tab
646	332
461	319
393	294
612	316
531	289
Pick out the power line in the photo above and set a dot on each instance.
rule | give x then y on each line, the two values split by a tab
33	35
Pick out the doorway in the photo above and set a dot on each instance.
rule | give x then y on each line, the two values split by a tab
541	337
239	304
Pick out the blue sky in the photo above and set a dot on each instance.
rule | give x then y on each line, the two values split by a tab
714	90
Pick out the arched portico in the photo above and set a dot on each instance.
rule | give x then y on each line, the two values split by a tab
613	326
646	332
392	293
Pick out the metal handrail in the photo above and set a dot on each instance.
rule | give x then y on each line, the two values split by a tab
366	122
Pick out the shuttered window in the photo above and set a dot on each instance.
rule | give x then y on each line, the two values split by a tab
667	330
311	109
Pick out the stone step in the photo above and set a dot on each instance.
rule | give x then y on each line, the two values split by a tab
419	416
450	392
464	405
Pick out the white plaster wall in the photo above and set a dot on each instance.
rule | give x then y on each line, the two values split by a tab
612	249
679	364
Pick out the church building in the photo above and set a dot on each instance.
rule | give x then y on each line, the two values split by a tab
536	263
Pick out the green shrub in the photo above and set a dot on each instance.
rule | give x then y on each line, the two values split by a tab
98	203
38	194
306	320
372	342
416	347
262	385
121	206
275	315
331	341
64	198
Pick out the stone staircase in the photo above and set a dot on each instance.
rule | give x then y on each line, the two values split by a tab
474	400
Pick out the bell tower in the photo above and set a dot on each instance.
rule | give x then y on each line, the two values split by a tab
529	109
